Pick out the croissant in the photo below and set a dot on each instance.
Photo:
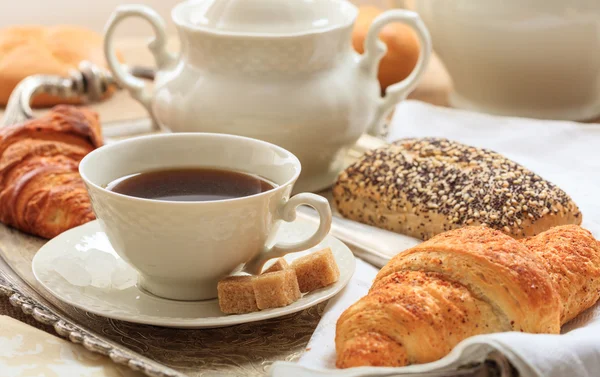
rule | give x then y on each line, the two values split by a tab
466	282
571	255
41	191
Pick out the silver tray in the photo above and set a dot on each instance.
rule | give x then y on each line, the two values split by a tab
246	350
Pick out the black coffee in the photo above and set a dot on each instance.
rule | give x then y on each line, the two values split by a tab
190	185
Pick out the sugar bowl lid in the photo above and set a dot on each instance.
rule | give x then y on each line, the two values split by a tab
264	17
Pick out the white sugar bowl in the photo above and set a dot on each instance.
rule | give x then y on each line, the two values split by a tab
283	71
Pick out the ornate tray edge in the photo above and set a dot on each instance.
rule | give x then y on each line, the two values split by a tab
11	288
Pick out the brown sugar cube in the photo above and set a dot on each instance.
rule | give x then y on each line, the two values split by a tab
276	289
316	270
236	295
280	264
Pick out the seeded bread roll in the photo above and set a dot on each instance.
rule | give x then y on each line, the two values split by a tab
423	187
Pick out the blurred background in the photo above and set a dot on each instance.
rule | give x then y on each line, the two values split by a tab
93	14
90	14
530	58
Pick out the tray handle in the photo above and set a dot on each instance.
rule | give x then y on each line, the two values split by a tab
88	82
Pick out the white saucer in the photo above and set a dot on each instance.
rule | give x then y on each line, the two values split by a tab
90	245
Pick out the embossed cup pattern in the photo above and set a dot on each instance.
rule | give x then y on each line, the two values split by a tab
177	250
181	249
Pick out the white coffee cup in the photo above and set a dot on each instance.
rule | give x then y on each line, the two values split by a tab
182	249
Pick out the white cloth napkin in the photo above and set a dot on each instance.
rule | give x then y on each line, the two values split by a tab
567	154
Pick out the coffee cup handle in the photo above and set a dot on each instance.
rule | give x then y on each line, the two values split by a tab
287	213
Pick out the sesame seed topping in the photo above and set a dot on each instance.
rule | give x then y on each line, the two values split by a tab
464	184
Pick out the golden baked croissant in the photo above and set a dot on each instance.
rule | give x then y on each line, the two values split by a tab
466	282
571	255
41	191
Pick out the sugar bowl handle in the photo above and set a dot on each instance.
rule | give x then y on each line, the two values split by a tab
288	213
158	46
376	49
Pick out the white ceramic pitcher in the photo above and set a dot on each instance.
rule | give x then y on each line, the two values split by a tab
283	71
527	58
